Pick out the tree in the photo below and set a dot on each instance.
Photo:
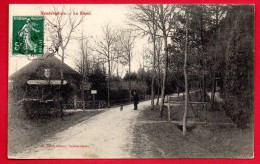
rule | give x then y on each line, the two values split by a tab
158	65
132	77
218	13
237	45
119	60
165	16
65	26
84	64
97	78
85	53
200	23
162	17
127	41
139	15
185	75
105	47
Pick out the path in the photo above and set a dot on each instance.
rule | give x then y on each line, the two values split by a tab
107	135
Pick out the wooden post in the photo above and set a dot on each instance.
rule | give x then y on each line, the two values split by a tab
169	109
75	102
94	100
83	99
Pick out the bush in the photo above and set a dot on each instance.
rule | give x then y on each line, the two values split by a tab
237	111
238	45
32	108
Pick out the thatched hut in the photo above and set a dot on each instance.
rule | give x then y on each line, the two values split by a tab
41	79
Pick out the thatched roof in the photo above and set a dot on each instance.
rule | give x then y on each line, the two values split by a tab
35	70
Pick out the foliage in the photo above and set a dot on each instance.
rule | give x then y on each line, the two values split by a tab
133	76
239	54
98	82
138	86
220	44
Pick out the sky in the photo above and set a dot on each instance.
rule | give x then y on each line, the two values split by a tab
113	14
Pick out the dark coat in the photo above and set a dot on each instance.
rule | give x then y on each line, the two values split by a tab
136	98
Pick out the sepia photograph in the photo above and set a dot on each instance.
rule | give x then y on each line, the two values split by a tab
131	81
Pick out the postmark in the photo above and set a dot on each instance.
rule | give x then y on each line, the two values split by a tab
28	35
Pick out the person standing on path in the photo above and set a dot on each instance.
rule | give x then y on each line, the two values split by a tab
136	100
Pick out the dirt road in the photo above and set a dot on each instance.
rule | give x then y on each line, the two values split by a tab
107	135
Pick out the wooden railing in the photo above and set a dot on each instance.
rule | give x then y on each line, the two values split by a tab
171	101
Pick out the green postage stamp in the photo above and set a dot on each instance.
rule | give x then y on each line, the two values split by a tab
28	35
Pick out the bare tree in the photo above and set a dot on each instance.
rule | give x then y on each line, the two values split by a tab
158	64
162	17
165	16
143	20
127	41
85	52
85	58
105	47
65	25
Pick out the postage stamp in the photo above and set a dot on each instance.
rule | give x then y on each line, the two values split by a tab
28	35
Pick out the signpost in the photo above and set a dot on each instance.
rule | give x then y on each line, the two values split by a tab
94	92
84	86
46	82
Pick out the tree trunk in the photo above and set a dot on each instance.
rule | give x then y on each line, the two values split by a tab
152	93
195	113
212	101
213	88
159	77
164	75
61	83
129	79
108	83
153	78
154	59
186	79
83	72
158	93
117	66
203	54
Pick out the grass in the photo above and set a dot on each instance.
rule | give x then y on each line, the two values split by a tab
157	139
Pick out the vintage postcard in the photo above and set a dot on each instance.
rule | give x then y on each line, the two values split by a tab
131	81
